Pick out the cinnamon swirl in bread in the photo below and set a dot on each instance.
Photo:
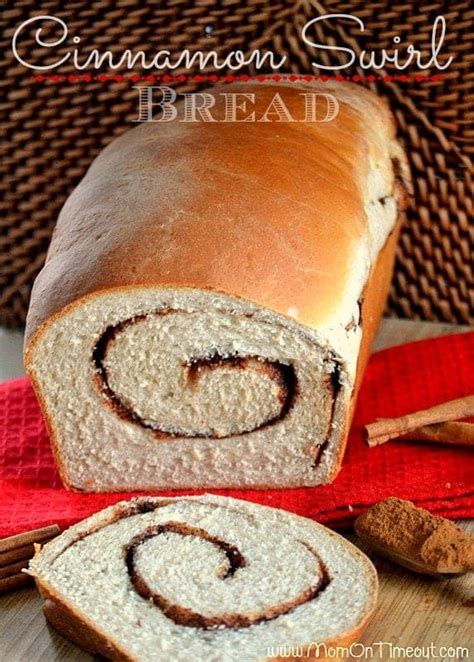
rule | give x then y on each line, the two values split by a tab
210	294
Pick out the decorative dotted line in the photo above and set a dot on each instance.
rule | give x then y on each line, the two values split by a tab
229	78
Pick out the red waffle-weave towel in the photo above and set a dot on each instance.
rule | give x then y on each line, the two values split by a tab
397	381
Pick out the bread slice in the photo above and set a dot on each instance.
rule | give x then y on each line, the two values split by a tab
203	578
210	294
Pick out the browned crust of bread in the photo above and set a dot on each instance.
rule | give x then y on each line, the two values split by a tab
73	271
73	625
377	287
372	307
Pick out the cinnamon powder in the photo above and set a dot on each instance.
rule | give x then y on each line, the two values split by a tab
399	526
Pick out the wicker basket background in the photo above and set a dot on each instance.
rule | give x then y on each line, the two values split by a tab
52	131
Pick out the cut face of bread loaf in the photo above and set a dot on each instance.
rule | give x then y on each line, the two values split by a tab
210	294
203	578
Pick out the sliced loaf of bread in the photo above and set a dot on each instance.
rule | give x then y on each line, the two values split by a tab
205	578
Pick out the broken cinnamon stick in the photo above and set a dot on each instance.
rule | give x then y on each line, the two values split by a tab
451	432
390	428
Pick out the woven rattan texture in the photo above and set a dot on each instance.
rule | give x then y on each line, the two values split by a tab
52	131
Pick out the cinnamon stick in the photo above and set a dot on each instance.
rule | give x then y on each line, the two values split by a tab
15	555
20	553
450	432
29	537
385	429
15	581
13	568
16	551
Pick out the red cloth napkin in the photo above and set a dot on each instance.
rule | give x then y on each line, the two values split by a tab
397	381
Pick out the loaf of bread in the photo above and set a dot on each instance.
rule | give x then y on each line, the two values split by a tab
205	579
210	295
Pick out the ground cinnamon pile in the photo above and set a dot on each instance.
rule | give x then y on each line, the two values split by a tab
397	528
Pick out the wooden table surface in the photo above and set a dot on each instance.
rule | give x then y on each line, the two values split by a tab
412	611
